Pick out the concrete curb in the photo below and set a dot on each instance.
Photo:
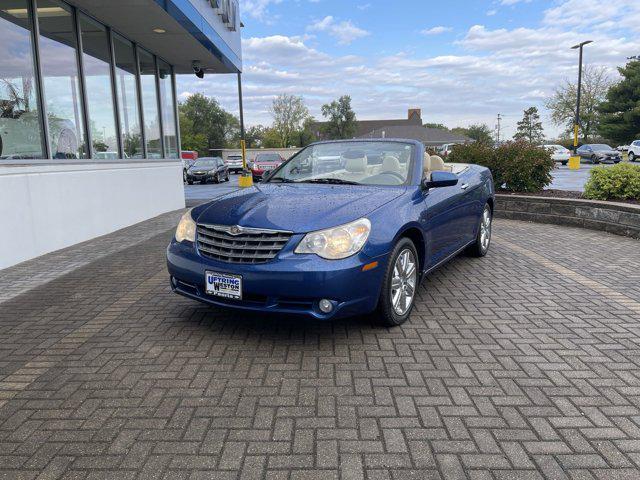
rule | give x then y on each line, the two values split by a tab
612	217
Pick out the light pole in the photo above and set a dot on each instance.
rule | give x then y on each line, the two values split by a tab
246	179
574	162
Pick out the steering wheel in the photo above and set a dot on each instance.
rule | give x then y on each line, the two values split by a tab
395	174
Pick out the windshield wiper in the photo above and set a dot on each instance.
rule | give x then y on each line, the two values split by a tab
332	181
280	180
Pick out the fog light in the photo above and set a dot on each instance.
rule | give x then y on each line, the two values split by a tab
325	306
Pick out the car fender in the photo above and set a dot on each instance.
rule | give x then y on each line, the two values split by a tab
392	221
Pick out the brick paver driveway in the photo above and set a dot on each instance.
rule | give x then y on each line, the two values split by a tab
523	365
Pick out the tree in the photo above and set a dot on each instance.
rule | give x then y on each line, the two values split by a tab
480	132
205	125
530	127
271	139
595	83
254	136
341	122
620	111
288	112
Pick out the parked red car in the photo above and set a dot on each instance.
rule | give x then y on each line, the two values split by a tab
264	163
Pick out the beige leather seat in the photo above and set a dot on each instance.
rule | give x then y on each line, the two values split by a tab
392	164
356	167
434	163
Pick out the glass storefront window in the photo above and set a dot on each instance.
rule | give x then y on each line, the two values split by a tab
127	97
61	87
150	104
20	132
167	105
97	74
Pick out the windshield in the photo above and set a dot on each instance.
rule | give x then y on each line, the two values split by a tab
601	147
268	157
204	163
357	163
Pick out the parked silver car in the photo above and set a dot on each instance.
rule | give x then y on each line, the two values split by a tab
599	152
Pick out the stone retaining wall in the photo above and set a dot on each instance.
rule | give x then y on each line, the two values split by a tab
617	218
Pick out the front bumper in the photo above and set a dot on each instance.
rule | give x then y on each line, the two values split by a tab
289	284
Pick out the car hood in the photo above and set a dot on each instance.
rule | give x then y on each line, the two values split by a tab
296	208
607	152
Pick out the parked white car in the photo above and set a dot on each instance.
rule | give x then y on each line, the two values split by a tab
634	151
234	162
559	153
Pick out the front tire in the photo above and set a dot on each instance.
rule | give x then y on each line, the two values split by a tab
632	156
398	293
594	160
483	240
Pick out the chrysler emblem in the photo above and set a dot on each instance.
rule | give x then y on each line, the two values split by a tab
235	230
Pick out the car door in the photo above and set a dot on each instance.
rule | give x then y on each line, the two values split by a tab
445	216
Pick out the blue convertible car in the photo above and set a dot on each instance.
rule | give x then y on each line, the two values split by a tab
342	228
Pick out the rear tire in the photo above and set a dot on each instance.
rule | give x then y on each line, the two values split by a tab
594	160
483	240
632	156
399	283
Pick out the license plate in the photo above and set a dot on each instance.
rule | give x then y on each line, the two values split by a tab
224	285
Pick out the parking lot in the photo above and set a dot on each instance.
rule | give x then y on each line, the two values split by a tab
563	179
523	365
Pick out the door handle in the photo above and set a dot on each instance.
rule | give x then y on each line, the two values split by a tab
464	186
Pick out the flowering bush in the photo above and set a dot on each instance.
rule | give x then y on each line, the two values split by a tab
516	166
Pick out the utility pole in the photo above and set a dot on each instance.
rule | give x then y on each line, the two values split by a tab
498	128
574	162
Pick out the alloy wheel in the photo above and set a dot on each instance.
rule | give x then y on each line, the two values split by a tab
485	229
403	282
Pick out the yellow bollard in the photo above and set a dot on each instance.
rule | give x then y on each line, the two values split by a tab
245	180
574	163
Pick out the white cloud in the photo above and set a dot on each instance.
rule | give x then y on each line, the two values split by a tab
488	70
436	30
345	31
257	9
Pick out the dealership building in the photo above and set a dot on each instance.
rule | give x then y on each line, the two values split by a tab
89	134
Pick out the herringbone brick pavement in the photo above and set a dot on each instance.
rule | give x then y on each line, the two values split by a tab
522	365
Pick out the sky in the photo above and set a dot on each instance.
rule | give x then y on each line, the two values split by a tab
460	61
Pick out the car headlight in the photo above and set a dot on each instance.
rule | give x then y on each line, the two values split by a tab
186	228
338	242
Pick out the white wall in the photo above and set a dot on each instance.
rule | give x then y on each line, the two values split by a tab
48	207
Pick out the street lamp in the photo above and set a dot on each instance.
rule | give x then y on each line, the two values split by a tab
574	162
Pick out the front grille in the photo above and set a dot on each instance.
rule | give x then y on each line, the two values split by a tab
240	244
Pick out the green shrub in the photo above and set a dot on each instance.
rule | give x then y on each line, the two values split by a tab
620	182
516	166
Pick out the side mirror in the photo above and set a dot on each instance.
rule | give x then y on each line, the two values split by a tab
439	180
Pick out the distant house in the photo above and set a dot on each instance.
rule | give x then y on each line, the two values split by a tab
409	128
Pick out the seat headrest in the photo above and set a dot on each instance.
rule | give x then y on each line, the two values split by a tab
355	164
391	164
437	164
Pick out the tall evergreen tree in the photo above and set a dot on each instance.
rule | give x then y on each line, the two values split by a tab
621	110
530	127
